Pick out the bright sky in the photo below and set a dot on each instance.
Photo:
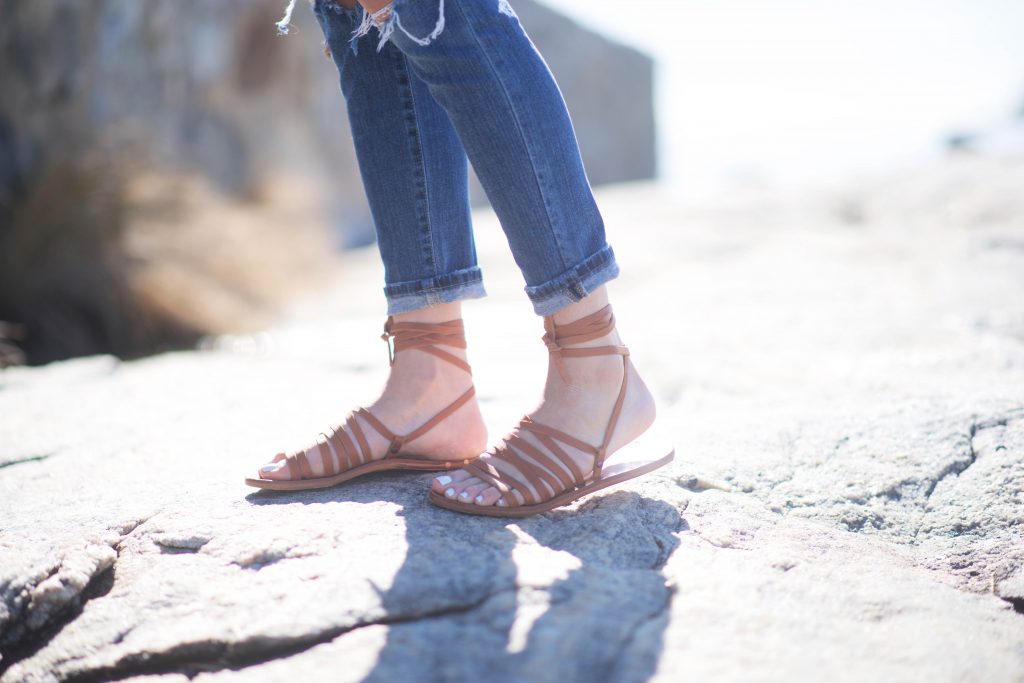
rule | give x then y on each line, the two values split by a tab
798	91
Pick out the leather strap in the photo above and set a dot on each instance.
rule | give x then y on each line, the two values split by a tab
401	336
555	471
587	328
425	336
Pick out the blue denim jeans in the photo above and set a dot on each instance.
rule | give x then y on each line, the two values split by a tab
439	84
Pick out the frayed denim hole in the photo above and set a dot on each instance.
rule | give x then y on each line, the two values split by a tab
505	8
388	18
336	7
284	25
438	24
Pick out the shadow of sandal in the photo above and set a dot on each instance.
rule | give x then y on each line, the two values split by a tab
572	594
565	596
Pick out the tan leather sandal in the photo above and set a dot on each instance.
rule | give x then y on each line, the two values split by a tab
554	472
345	460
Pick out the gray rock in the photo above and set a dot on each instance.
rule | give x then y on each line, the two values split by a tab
39	588
844	504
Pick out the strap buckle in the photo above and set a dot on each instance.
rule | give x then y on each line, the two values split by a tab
389	340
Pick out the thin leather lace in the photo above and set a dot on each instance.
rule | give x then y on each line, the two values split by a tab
552	470
349	452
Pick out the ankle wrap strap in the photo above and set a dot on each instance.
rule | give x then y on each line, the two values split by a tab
587	328
401	336
542	466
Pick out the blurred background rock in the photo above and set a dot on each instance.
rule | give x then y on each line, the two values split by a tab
171	169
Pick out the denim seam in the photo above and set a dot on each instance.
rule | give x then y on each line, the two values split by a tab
423	164
404	302
437	289
520	129
473	275
426	246
558	300
572	279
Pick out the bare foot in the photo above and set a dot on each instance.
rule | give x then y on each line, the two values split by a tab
420	386
580	404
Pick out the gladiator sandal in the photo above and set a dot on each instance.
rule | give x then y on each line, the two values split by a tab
555	477
344	459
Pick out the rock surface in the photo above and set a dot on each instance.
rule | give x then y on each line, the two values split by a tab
847	402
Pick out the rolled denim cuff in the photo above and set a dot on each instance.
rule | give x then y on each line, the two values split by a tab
444	289
574	284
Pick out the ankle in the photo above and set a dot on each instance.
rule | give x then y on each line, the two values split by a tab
597	372
438	313
591	303
426	372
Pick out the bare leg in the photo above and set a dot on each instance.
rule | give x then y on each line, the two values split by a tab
580	407
418	387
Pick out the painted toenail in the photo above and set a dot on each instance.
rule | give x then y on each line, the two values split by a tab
502	503
464	495
268	468
479	498
450	493
444	480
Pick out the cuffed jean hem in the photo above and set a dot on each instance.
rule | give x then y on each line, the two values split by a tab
574	284
404	297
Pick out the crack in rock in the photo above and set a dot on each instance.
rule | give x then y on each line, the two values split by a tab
957	467
1008	585
65	590
638	635
1017	603
25	459
42	606
40	600
192	659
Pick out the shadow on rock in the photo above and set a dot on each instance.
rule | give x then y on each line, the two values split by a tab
569	595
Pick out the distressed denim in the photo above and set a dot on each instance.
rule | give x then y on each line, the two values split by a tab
431	86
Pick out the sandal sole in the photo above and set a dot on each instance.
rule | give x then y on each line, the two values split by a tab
556	502
386	465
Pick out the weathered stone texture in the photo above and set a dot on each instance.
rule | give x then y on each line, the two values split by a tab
845	503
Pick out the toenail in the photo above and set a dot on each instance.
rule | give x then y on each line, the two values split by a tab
479	498
444	480
502	503
450	493
268	468
464	495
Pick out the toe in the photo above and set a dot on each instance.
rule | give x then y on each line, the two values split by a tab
513	497
469	494
461	487
443	482
487	495
272	464
275	469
